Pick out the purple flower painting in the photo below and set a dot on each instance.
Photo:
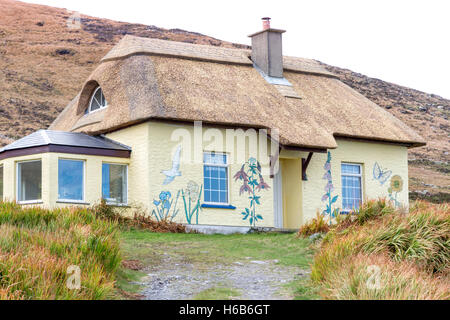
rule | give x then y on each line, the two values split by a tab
252	182
329	188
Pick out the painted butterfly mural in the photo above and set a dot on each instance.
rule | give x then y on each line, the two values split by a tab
380	174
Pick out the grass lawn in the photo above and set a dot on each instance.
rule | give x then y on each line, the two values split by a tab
39	247
206	250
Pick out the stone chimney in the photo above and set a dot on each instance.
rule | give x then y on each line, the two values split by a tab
267	50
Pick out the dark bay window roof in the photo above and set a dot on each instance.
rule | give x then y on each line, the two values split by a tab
64	142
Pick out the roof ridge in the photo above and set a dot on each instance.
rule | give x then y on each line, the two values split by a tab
45	136
132	45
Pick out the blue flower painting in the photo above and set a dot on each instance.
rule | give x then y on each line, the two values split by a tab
163	206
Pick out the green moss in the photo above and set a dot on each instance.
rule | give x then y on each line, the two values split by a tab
286	248
218	294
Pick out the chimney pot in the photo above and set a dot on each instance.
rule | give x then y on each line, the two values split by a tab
266	23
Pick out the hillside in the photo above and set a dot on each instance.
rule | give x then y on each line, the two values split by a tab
43	64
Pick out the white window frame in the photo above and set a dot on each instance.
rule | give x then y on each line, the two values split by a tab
36	201
84	182
92	98
126	189
360	175
227	165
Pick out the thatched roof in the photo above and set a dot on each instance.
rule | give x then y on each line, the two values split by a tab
145	79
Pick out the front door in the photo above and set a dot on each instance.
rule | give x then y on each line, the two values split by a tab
291	186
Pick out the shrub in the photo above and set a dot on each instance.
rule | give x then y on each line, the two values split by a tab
164	226
373	209
37	246
138	220
316	225
105	211
412	253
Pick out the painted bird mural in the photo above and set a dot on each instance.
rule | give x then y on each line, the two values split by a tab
175	171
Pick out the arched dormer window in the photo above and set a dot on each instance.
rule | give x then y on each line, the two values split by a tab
97	101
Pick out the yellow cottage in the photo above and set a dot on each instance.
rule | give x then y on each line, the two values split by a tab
221	139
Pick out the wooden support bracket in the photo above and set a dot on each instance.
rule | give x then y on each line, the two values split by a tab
305	164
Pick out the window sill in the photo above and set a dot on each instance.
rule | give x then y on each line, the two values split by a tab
24	203
218	206
118	205
73	202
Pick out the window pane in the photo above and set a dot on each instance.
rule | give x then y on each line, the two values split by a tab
223	197
98	100
215	158
351	186
222	185
222	173
215	184
215	197
215	178
1	183
207	183
351	168
206	157
95	105
207	171
70	179
114	183
29	181
214	172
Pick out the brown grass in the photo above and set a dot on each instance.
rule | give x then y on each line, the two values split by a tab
316	225
37	246
137	220
411	253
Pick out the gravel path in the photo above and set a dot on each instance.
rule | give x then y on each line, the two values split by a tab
256	280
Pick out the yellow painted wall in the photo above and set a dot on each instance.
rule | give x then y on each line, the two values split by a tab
389	157
153	144
155	155
137	137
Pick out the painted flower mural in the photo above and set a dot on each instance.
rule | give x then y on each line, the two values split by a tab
191	200
395	188
163	206
329	188
252	183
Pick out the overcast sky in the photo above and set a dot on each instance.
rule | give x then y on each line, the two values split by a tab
405	42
